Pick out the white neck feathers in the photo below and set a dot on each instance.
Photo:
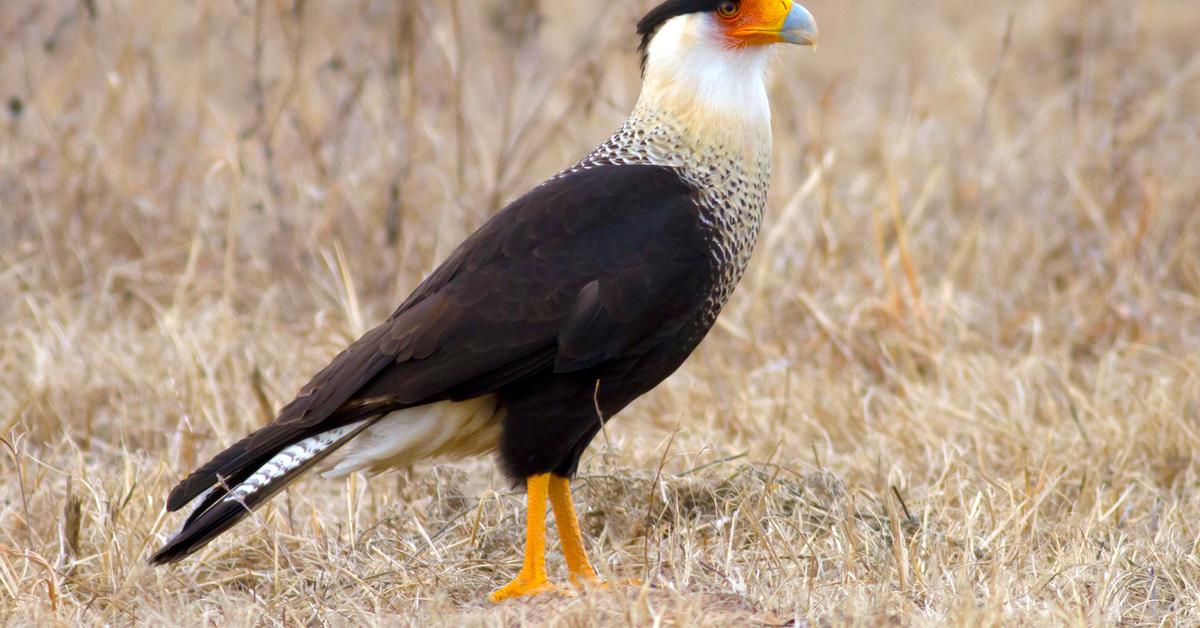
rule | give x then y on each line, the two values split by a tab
694	76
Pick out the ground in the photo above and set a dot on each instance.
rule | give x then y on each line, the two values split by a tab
960	383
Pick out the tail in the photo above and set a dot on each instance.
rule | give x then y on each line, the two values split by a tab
231	486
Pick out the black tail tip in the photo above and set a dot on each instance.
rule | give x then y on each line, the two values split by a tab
161	558
172	552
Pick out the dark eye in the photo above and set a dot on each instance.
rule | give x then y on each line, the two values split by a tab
727	9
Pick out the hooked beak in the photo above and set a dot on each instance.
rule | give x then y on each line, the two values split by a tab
776	22
799	27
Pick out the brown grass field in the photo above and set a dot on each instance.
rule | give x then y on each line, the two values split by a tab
960	383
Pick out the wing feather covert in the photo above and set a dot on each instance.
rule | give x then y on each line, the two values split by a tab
562	278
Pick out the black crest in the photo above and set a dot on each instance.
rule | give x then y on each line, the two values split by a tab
659	15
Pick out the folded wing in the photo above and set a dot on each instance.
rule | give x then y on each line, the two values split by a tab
590	266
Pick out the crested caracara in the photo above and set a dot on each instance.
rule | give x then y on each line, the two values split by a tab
564	307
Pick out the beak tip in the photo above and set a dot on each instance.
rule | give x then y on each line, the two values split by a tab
800	27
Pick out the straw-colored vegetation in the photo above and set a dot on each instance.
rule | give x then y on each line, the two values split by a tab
960	383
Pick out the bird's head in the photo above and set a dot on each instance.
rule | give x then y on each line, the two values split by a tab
707	58
730	24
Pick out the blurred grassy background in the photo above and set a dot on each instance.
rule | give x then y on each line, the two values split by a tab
959	384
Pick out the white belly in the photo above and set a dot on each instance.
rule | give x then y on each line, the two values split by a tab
440	430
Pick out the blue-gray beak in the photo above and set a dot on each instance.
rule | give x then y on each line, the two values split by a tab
800	27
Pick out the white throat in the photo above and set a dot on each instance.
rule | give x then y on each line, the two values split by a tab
696	78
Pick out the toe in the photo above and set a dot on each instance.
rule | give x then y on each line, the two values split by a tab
522	588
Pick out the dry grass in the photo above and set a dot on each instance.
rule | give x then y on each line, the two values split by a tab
960	384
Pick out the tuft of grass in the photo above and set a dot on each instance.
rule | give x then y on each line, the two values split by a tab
959	385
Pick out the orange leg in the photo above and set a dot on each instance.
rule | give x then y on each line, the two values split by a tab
578	566
532	578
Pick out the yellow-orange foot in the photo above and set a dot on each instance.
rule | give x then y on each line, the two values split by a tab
531	580
585	579
523	586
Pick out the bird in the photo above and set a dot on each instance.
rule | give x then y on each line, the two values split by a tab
565	306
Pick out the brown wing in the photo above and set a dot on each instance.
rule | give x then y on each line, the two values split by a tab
561	278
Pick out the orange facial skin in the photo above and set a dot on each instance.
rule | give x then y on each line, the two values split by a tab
756	22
